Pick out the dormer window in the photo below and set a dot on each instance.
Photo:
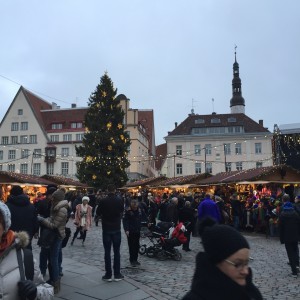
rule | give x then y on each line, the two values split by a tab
199	121
215	120
231	120
56	126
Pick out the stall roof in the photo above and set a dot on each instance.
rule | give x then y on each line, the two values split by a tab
64	181
144	182
180	181
18	178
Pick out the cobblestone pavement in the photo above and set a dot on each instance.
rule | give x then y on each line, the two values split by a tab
173	278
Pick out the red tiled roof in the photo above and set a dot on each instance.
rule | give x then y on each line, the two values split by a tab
17	178
241	120
60	180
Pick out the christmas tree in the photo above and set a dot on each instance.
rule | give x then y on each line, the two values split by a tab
105	143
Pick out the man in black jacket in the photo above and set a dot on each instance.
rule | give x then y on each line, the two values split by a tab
289	229
110	209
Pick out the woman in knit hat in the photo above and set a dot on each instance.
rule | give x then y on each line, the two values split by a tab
56	221
222	271
12	284
83	219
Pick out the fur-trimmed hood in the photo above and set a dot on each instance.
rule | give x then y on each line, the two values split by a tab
22	239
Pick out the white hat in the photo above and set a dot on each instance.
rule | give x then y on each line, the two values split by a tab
85	198
4	210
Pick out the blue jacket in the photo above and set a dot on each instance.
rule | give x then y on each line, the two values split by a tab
208	208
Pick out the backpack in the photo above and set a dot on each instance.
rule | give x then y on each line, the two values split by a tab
27	259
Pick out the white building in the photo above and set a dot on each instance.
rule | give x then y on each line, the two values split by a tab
218	142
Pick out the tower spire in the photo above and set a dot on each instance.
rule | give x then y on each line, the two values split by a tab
237	102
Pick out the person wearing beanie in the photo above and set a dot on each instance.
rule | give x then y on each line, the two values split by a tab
23	213
57	222
289	234
222	271
83	219
12	284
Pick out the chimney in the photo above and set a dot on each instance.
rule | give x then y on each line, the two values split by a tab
261	123
176	124
54	105
73	105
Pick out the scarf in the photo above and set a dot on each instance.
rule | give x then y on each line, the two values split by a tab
7	240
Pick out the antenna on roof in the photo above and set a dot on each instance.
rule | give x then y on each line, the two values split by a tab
193	106
213	107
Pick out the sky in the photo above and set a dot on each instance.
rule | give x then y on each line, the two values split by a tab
167	55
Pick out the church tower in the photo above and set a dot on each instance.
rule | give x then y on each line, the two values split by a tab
237	102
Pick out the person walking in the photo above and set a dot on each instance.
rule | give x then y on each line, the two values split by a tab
132	226
15	282
83	219
289	233
208	208
222	270
110	209
23	213
56	221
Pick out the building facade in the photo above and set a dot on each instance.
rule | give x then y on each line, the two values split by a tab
39	138
218	142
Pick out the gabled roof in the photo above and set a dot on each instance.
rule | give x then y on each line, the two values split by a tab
190	122
161	154
18	178
60	180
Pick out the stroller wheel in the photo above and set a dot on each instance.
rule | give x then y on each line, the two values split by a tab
161	255
151	252
142	249
177	255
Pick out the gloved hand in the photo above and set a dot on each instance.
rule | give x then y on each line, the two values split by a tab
40	219
27	290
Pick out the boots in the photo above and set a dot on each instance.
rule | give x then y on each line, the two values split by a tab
56	286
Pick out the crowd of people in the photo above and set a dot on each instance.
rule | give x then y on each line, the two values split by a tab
219	219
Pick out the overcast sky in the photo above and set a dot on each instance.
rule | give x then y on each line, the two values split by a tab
161	54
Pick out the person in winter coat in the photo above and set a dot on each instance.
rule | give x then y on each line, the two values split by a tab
23	213
289	233
222	271
132	226
56	221
83	219
30	285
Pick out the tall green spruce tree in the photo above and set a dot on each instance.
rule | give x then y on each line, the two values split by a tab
105	143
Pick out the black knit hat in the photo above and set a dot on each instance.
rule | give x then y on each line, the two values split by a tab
221	241
16	190
51	188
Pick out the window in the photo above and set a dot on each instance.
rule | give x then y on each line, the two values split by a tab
257	148
67	137
178	150
56	126
228	167
64	168
20	112
14	126
51	152
14	140
24	153
199	121
231	120
37	153
239	166
237	129
1	154
50	168
76	125
11	168
36	169
238	148
197	168
33	139
208	167
197	149
1	168
65	152
215	120
23	139
179	169
227	149
24	126
54	138
24	169
259	164
5	140
79	136
230	129
11	154
208	149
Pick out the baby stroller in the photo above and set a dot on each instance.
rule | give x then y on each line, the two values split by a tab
150	239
